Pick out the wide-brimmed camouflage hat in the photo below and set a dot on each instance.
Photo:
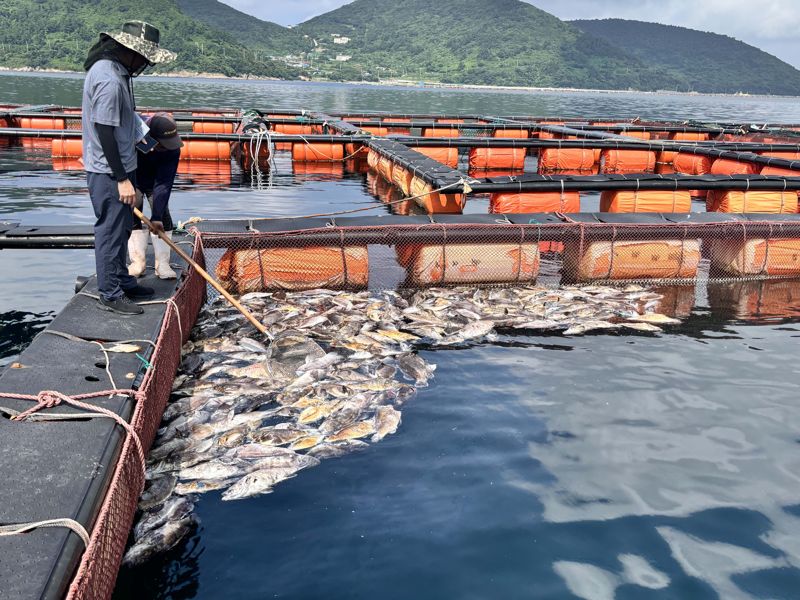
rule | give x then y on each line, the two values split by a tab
143	38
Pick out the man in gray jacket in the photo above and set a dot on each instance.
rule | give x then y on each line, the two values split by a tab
111	129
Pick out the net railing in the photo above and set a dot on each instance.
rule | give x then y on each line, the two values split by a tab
503	253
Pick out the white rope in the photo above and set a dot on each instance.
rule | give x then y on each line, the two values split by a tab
19	528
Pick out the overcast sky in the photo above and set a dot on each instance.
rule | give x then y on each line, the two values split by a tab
772	25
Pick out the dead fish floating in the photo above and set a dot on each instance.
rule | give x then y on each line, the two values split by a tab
244	417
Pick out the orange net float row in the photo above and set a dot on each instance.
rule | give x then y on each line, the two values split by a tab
769	202
447	156
533	202
784	155
294	269
372	159
192	149
627	161
400	130
640	135
435	202
567	161
317	151
497	158
766	257
469	263
669	201
622	260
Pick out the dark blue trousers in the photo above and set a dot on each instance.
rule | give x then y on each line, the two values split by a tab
111	232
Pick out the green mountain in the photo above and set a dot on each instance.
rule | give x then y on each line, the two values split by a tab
703	62
58	33
502	42
246	29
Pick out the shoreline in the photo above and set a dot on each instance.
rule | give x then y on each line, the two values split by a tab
404	83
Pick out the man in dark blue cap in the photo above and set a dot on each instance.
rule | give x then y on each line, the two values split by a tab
111	129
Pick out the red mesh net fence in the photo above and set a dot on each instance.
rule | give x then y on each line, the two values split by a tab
99	565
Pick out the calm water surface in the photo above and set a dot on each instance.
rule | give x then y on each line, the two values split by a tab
609	466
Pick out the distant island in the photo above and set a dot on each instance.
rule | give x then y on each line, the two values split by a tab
505	43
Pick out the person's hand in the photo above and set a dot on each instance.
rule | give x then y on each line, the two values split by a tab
156	227
127	194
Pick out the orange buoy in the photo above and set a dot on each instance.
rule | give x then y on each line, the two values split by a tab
294	269
449	121
379	131
627	161
572	161
372	159
691	164
753	201
212	127
724	166
445	155
669	201
66	148
774	257
399	130
665	162
534	202
440	132
783	155
470	263
641	135
646	259
355	150
435	202
497	158
292	128
689	136
511	133
402	177
317	151
207	150
385	166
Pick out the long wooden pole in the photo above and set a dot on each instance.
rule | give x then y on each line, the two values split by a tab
234	302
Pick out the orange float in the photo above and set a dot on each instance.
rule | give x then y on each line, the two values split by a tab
440	132
66	148
470	263
292	128
668	201
689	136
534	202
753	201
317	151
511	133
435	202
566	161
646	259
724	166
212	127
627	161
774	257
242	271
497	158
379	131
208	150
445	155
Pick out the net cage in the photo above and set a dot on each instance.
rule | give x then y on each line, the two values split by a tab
546	250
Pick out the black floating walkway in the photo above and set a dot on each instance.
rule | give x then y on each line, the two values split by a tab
62	469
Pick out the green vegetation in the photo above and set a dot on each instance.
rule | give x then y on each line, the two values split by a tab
702	62
255	33
58	33
502	42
